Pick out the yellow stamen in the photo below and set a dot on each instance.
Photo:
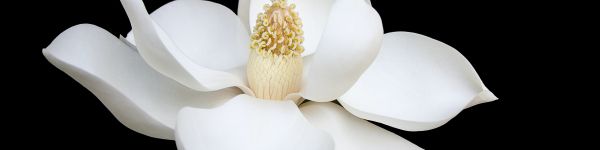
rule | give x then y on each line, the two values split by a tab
274	68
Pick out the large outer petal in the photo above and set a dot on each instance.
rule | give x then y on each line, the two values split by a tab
350	132
192	42
349	44
416	83
249	123
313	13
139	97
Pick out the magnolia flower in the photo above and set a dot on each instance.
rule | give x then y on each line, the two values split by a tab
196	73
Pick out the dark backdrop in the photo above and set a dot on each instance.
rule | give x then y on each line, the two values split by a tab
495	37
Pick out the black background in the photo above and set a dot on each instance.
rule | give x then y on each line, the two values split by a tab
500	39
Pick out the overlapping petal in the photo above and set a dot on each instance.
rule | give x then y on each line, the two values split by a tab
416	83
192	42
246	122
138	96
243	12
349	44
350	132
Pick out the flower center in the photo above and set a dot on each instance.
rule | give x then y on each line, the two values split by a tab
275	65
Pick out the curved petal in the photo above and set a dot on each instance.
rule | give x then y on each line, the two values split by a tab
248	123
243	12
192	42
349	44
138	96
416	83
313	13
208	33
350	132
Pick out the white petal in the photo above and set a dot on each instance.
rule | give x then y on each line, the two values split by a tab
192	42
416	83
139	97
243	12
350	43
208	33
130	38
349	132
248	123
313	13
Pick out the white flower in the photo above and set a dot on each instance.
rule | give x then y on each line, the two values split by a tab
181	75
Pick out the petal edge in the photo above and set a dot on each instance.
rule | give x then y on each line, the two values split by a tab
350	43
139	97
162	54
350	132
249	123
416	83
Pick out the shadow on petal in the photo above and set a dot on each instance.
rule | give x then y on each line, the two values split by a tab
246	122
138	96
